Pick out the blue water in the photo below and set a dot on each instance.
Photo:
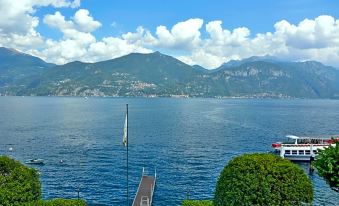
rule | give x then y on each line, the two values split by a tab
188	141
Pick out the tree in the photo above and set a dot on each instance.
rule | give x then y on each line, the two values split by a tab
197	203
18	184
56	202
327	164
262	179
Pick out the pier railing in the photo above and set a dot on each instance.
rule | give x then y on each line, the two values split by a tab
144	195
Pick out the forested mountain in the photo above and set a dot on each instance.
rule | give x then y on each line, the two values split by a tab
156	74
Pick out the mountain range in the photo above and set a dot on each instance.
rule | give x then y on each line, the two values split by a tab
157	74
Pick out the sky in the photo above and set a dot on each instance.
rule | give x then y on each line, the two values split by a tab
207	33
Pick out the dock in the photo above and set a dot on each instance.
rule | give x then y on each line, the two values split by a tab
144	195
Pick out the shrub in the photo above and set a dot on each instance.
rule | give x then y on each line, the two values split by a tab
18	184
197	203
327	164
262	179
57	202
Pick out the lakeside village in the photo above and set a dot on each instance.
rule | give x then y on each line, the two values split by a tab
176	96
248	179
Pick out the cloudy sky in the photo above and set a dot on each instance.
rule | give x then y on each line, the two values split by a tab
201	32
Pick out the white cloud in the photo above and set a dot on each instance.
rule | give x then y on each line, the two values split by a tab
79	44
112	47
74	30
319	33
85	22
17	15
183	35
18	23
76	37
316	39
57	20
56	3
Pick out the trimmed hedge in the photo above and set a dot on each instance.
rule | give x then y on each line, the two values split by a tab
18	183
197	203
262	179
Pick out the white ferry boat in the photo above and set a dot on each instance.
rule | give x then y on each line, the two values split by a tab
302	148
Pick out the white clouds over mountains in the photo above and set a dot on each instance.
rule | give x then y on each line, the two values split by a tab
316	39
17	15
183	35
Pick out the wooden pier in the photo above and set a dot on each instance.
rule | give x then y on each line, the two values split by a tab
145	190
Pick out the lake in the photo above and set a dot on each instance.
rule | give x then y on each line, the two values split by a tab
187	141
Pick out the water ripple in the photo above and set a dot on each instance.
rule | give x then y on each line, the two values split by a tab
188	142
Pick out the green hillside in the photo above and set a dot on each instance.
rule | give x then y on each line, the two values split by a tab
156	74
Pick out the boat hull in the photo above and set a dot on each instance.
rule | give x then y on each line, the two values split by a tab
298	158
35	162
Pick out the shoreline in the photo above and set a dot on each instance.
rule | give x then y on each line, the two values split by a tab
179	97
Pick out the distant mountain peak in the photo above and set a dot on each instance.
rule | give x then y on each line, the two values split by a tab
77	62
159	54
234	63
11	50
13	58
312	62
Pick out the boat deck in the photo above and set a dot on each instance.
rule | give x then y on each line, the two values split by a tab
145	191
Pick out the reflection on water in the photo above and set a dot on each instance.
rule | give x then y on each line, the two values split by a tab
188	141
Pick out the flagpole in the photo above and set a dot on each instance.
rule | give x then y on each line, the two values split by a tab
127	154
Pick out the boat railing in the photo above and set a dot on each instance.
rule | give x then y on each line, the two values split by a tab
303	145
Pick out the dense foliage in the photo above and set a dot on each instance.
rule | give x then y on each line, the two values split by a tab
197	203
327	163
57	202
18	184
262	179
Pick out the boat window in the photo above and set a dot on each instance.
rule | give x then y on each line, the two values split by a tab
307	152
289	141
303	141
315	141
301	152
294	152
287	152
315	151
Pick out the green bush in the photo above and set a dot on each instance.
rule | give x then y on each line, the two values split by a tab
57	202
197	203
18	184
327	164
262	179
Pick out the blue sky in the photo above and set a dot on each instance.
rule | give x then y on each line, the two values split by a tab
257	15
195	31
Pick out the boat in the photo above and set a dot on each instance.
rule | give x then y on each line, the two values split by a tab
303	148
35	161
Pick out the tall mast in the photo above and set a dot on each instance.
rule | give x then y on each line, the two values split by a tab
127	156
